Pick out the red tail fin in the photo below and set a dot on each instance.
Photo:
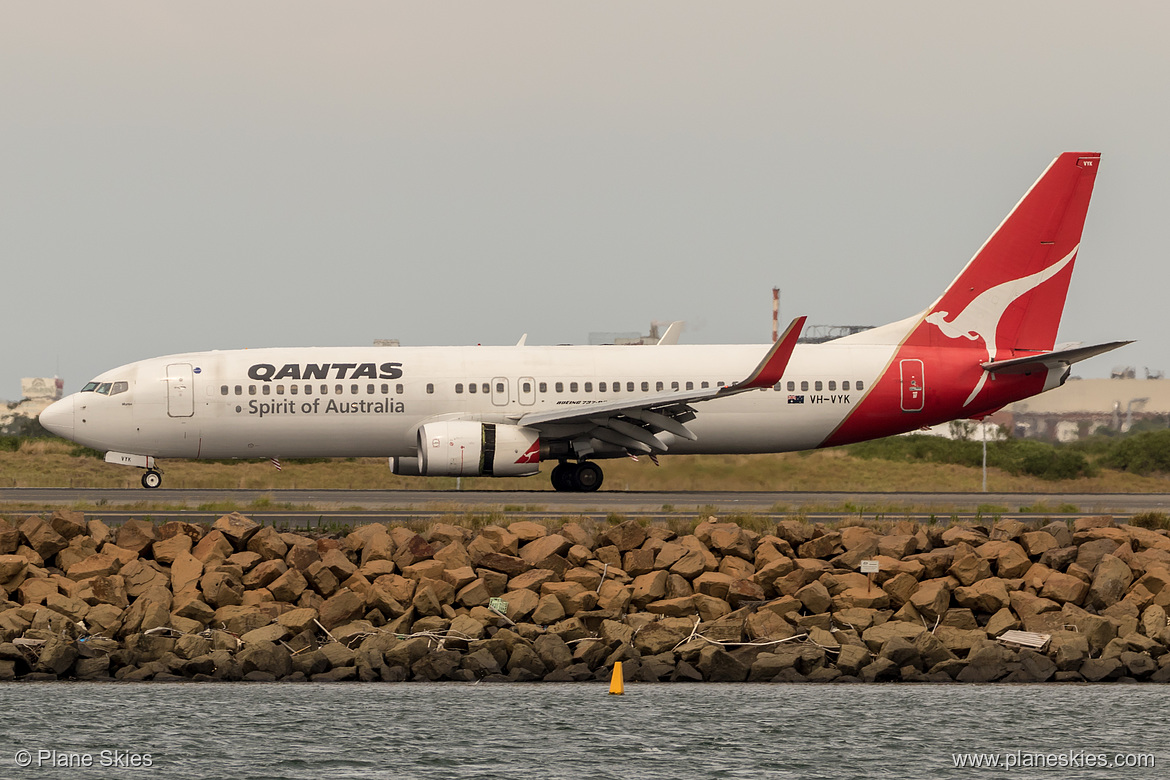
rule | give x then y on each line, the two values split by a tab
1010	297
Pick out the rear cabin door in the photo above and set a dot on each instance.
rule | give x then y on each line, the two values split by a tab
180	394
500	391
913	385
526	390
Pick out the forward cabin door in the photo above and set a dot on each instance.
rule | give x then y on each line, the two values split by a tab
180	394
913	385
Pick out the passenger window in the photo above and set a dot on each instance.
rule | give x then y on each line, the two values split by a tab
353	389
458	388
251	389
721	383
399	389
543	386
705	385
223	389
860	385
308	389
293	389
791	385
572	387
658	386
804	385
239	390
601	387
119	387
818	385
266	389
629	387
645	387
588	387
369	389
385	389
560	386
690	385
338	389
280	389
526	387
845	385
430	388
832	385
324	389
472	387
674	385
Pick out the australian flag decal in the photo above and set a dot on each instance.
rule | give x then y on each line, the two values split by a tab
796	399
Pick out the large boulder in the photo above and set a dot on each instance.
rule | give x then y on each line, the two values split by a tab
41	537
236	528
1110	581
718	665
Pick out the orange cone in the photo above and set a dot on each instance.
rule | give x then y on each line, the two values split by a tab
617	683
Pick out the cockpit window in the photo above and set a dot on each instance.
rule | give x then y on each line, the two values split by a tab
103	388
89	387
119	387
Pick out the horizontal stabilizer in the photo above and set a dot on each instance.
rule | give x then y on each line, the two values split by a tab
1058	359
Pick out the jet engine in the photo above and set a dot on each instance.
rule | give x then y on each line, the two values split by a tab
462	448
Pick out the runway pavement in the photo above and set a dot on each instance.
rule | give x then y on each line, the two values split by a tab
391	502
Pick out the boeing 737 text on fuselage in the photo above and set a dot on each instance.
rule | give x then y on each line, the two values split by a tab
987	341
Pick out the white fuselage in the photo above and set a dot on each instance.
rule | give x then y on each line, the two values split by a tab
306	402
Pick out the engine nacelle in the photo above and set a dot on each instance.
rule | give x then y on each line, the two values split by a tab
405	467
461	448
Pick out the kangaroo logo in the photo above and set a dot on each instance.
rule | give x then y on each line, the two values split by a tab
980	319
532	455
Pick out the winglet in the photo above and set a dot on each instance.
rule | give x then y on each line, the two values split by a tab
671	334
771	368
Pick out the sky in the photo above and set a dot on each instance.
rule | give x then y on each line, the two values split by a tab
186	176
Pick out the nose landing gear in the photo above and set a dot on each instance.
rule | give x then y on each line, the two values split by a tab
583	477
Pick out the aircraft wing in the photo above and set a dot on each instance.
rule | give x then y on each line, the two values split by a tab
1059	359
632	422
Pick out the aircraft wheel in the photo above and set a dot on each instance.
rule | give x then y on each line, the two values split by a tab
587	477
151	479
562	477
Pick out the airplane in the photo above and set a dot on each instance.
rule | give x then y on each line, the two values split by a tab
987	341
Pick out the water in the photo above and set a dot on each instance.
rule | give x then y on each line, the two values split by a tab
577	731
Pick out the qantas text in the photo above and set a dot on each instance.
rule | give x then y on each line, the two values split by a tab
266	372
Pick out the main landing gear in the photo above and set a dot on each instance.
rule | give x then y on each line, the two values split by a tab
583	477
152	478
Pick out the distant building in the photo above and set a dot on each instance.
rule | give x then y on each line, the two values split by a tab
36	394
602	337
1083	407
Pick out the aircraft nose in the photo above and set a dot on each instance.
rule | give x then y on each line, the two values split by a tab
58	417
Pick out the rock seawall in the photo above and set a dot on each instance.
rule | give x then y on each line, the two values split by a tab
528	602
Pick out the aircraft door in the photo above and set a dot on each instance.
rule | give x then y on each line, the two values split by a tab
499	391
180	393
526	391
913	385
